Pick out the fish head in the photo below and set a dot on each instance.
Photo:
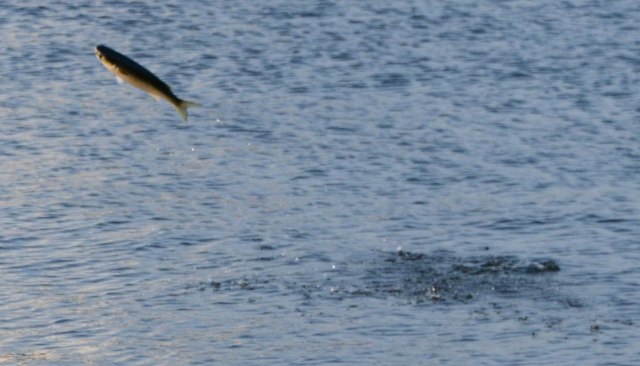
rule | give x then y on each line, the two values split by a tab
107	56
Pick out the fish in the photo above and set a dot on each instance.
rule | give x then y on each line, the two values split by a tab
127	70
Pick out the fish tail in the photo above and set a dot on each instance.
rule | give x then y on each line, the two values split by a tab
182	106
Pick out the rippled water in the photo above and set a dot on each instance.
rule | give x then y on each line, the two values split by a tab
436	182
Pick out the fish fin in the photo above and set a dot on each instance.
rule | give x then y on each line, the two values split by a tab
182	106
120	81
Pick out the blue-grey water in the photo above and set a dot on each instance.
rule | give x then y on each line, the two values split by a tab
394	183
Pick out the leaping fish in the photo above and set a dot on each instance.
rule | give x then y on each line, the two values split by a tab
125	69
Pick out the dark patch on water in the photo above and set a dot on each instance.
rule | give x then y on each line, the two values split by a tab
420	278
390	80
444	277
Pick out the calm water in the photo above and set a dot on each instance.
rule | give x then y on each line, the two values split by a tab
416	182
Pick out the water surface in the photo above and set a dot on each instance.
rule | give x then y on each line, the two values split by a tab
411	183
